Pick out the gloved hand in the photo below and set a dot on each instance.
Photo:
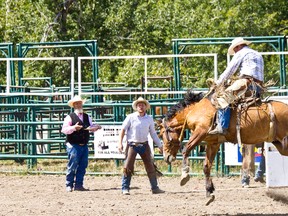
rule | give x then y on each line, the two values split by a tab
210	82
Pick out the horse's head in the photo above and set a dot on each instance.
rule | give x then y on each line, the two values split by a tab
170	137
171	126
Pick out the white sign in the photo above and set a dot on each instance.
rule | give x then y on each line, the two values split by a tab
234	157
276	167
106	143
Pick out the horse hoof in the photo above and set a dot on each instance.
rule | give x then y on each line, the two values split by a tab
184	179
212	198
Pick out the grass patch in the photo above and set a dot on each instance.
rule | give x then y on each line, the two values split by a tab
103	166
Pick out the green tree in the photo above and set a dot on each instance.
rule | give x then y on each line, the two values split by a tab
130	27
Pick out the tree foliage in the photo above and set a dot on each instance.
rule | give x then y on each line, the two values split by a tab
130	27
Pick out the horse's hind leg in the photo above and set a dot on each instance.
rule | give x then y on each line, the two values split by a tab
211	151
282	146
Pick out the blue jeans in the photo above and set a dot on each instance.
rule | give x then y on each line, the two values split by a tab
77	164
224	117
261	168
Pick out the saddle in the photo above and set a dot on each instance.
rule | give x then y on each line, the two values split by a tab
246	96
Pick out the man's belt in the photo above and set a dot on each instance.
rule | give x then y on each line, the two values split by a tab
81	144
137	143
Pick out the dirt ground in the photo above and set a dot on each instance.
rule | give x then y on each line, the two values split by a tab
46	195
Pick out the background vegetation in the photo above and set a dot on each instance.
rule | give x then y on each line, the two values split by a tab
100	166
130	27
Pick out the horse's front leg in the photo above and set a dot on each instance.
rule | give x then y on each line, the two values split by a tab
185	169
211	151
194	140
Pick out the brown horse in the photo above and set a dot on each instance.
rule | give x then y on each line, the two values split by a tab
258	124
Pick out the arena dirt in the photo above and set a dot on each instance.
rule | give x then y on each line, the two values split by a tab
46	195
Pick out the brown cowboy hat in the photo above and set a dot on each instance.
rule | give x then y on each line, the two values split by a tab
140	100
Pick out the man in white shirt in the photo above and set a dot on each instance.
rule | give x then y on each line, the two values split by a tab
137	126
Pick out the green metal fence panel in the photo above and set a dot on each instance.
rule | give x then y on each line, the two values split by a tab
278	43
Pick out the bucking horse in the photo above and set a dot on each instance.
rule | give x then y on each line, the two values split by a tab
260	122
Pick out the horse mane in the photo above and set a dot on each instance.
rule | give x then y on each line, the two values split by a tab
189	98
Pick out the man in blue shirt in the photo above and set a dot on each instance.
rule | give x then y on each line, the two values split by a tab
137	126
251	70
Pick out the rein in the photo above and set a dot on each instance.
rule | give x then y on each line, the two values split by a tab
183	128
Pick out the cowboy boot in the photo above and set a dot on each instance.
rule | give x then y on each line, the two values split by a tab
154	186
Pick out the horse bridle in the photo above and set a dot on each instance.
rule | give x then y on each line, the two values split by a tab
168	129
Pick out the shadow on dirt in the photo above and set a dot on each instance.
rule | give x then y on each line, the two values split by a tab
277	197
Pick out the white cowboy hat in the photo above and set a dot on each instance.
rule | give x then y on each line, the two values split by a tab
237	41
140	100
76	98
